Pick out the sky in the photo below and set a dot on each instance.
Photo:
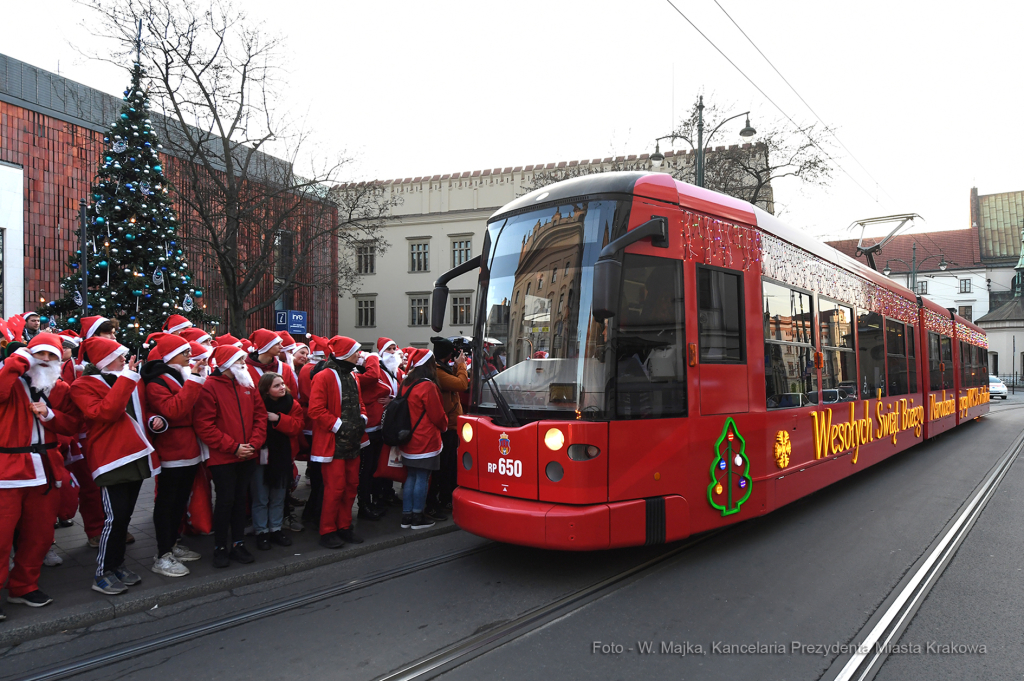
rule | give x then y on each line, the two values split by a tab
921	101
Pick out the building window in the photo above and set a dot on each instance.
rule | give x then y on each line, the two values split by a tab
419	256
922	288
540	283
461	310
966	311
419	310
561	303
462	251
965	286
366	312
366	259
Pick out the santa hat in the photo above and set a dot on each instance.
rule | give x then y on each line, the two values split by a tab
419	356
69	336
30	314
298	346
16	324
194	335
45	342
100	351
408	352
199	352
317	345
287	342
226	339
90	324
263	340
226	355
343	347
166	346
385	343
176	323
246	345
5	331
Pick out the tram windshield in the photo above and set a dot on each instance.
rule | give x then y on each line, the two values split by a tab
539	346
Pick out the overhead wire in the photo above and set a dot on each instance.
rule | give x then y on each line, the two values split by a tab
765	95
809	108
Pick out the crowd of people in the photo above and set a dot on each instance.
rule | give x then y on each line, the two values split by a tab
220	422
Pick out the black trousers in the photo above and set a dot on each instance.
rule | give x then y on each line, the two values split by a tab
173	489
315	503
444	481
118	504
231	482
368	458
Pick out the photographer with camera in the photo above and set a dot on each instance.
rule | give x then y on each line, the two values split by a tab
453	379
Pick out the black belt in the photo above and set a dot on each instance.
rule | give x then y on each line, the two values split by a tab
31	449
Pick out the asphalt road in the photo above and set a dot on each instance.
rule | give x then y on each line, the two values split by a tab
811	572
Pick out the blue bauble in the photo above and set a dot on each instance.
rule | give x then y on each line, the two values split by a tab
157	168
102	263
130	237
100	221
71	320
123	117
136	293
199	294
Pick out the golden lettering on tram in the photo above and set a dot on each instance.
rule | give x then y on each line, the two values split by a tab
973	398
835	438
939	409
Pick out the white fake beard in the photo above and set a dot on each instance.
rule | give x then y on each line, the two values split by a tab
391	362
241	375
185	371
44	375
204	370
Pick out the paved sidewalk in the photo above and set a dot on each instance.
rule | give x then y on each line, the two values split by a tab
75	604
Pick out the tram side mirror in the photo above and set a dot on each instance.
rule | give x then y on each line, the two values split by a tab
438	303
607	276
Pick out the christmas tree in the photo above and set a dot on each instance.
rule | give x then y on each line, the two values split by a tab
137	272
730	471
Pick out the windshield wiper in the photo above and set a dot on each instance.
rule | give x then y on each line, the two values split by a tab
499	399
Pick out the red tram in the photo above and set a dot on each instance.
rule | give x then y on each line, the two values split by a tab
655	360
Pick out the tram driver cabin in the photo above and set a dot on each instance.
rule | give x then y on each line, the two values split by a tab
653	360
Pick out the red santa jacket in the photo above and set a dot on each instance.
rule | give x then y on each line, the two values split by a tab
19	466
375	383
115	438
226	415
278	367
305	388
178	445
426	438
72	445
325	413
289	424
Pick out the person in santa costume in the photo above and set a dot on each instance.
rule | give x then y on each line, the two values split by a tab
30	466
421	454
339	418
264	357
119	452
300	357
287	351
231	420
171	392
378	385
314	504
199	358
226	339
194	335
175	324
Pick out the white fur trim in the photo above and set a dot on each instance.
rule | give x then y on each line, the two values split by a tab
128	373
121	350
386	346
92	329
337	424
177	351
196	378
269	345
179	327
423	361
46	348
234	358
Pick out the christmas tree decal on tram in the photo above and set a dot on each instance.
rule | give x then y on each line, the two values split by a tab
730	471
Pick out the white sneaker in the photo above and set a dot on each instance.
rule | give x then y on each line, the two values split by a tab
52	559
167	566
249	530
184	554
293	523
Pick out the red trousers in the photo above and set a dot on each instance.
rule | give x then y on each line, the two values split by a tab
90	501
32	513
341	480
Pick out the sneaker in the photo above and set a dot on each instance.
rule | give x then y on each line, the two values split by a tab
127	577
94	542
33	599
351	537
421	522
128	538
52	559
368	512
435	514
280	538
263	541
184	554
331	540
108	584
240	554
406	521
293	523
167	566
64	523
3	615
220	557
249	530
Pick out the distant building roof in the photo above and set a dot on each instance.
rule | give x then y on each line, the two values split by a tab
1000	218
959	246
1012	311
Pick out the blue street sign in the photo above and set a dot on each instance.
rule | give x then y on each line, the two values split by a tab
293	321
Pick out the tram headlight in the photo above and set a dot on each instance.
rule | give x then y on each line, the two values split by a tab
583	452
467	432
554	439
467	461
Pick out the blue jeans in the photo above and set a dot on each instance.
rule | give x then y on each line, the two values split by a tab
414	490
267	504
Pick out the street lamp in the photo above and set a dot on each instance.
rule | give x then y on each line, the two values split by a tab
913	266
657	158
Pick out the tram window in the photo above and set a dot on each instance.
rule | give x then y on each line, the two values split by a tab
940	352
896	356
839	372
871	352
791	379
911	359
720	316
946	352
650	339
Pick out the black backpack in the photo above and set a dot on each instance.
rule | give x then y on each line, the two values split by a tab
396	427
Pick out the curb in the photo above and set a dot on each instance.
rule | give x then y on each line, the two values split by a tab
94	613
